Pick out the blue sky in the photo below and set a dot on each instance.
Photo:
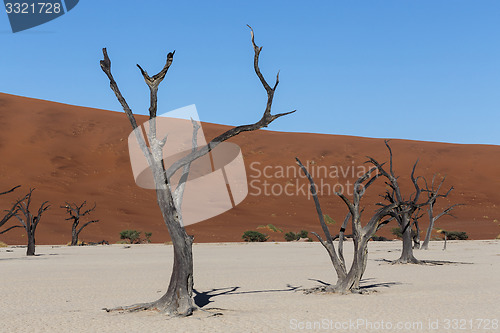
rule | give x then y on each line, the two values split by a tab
421	70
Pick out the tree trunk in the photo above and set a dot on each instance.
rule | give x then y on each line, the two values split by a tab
74	236
416	236
30	251
407	252
350	283
178	300
425	245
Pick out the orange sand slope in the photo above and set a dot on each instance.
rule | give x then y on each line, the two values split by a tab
73	154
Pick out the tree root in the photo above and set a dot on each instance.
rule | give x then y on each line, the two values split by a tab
321	289
408	261
151	306
133	308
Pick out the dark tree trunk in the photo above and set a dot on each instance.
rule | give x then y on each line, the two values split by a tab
30	251
74	236
178	300
407	252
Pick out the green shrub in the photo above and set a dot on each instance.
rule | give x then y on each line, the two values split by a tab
456	235
148	236
397	232
302	234
254	236
133	236
291	236
328	219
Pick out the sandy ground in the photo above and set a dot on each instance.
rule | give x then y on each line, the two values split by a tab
64	288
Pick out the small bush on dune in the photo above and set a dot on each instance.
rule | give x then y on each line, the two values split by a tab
397	232
457	235
328	219
254	236
133	236
291	236
303	234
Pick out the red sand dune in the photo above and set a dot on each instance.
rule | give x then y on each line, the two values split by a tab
71	153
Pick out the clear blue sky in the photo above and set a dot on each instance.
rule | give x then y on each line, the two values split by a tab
422	70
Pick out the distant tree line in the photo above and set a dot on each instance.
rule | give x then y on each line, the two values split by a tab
27	219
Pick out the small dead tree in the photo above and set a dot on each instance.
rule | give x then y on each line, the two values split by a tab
76	213
433	195
348	281
405	207
178	299
27	220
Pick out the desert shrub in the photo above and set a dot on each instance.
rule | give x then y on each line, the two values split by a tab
292	236
303	234
379	238
328	219
397	232
148	236
254	236
457	235
2	244
133	236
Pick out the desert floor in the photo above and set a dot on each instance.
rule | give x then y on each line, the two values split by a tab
253	285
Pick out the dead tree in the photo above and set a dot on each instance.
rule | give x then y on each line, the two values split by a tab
405	206
76	213
178	299
433	195
348	281
27	220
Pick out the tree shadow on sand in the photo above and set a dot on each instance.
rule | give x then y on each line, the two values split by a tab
366	285
202	299
429	262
